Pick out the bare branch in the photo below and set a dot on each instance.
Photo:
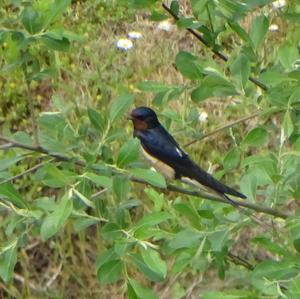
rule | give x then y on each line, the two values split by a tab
6	146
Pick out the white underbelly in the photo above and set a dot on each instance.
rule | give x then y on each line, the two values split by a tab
167	171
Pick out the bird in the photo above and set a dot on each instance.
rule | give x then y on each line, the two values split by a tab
165	155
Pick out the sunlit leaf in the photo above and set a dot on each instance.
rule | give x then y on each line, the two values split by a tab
119	106
152	177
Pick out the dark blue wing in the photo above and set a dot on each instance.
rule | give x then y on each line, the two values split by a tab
160	144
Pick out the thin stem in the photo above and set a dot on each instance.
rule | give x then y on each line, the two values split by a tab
216	52
31	107
209	17
240	261
231	124
29	170
170	187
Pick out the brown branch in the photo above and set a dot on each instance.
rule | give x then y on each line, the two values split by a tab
240	261
204	42
170	187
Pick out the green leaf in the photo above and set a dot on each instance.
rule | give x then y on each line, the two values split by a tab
111	231
156	198
138	261
199	8
274	77
129	152
274	270
8	260
100	180
31	20
151	220
121	186
143	3
58	7
152	86
152	177
153	260
81	224
53	42
9	192
229	294
232	159
6	163
213	85
189	65
96	119
54	221
217	239
110	272
83	198
53	177
137	291
287	55
186	238
107	256
259	28
256	137
240	32
240	69
271	246
294	288
287	125
187	23
248	185
119	106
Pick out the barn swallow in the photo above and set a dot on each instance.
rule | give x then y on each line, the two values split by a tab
166	156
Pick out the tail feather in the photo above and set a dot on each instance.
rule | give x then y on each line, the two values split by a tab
208	180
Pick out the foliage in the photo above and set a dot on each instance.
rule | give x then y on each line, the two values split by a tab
74	170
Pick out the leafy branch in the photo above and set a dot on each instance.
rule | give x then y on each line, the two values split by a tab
204	42
170	187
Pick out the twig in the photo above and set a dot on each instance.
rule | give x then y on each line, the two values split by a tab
6	146
232	124
29	170
217	53
164	294
31	285
240	261
251	206
170	187
97	194
54	276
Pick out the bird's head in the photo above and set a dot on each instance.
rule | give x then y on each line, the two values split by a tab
143	118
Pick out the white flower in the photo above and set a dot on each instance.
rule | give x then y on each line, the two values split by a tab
274	27
165	25
124	44
279	4
134	35
203	116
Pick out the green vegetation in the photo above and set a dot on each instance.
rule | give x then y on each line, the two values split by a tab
82	215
